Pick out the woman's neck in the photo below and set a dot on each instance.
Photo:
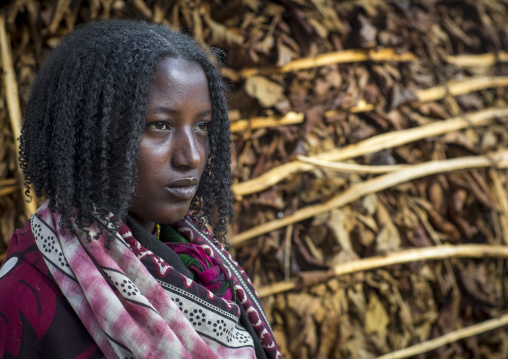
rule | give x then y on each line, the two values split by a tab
149	226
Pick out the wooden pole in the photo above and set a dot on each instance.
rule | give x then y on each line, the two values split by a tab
482	60
448	338
392	258
349	167
331	58
453	88
370	145
462	87
356	191
11	94
290	118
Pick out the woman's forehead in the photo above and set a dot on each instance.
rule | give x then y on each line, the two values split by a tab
178	82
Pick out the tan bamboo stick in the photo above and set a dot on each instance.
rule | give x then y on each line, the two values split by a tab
290	118
331	58
398	257
12	97
9	77
8	190
409	173
361	106
361	55
485	60
402	137
462	87
277	288
8	182
454	88
349	167
2	257
448	338
345	56
269	178
371	145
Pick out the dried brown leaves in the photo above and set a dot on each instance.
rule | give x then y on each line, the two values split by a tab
358	82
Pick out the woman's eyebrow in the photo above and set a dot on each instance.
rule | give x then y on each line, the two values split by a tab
162	109
205	113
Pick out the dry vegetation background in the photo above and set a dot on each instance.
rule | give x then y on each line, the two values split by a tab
369	161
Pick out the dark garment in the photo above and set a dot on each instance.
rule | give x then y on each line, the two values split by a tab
36	320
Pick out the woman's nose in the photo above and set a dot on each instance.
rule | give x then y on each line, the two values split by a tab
187	150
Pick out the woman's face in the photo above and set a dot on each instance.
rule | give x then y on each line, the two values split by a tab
174	147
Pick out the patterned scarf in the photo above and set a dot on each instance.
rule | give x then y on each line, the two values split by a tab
136	305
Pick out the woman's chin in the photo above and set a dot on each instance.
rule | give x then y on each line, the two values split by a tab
175	214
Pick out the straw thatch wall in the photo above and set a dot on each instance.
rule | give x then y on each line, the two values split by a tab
370	157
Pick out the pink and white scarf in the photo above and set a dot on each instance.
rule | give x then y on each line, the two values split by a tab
136	305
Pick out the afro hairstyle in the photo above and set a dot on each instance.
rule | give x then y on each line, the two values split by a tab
86	114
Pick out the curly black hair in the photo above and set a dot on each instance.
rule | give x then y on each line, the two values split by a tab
86	114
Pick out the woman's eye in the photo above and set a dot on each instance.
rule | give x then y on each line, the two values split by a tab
203	126
158	125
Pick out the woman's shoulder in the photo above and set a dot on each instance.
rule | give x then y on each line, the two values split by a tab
25	277
23	268
32	308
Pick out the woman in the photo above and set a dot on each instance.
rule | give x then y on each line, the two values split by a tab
126	134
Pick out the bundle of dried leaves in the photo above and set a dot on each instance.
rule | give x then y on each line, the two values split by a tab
369	162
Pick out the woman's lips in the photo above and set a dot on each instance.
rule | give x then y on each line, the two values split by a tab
184	189
185	193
